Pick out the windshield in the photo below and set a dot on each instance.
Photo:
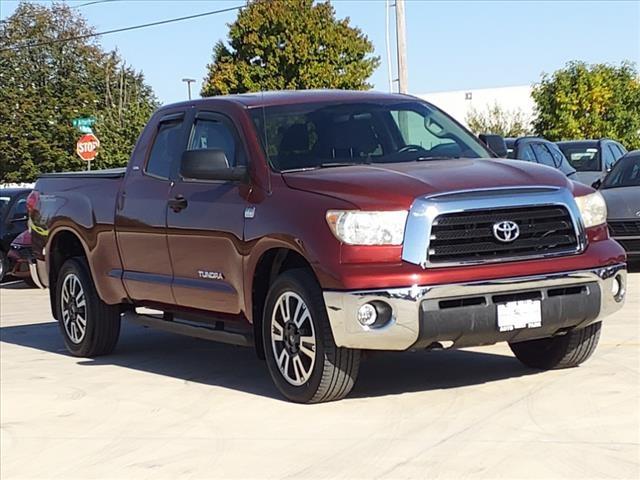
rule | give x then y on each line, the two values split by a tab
326	135
625	173
582	157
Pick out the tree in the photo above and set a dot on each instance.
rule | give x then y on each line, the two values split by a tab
589	101
290	44
42	88
496	120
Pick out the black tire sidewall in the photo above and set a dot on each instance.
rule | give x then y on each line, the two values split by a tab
76	267
301	283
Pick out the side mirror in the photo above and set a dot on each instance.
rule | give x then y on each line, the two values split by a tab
495	143
209	165
597	184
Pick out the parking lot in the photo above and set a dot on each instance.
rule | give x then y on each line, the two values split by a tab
166	406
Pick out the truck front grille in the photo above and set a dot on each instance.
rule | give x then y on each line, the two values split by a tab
630	228
469	236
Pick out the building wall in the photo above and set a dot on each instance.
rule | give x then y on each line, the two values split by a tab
459	103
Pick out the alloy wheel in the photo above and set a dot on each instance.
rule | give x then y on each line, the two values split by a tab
74	308
293	338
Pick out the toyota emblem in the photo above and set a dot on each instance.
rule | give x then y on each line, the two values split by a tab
506	231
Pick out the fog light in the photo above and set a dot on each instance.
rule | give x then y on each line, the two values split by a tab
367	315
615	286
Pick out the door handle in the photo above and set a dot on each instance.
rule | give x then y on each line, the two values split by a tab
178	203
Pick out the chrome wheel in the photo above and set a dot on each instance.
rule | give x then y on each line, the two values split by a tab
293	338
73	306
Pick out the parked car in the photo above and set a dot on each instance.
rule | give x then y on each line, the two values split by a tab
313	225
13	220
621	190
592	159
539	150
20	259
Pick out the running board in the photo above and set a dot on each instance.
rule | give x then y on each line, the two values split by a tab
190	330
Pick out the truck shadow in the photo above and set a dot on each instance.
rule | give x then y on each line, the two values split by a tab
195	360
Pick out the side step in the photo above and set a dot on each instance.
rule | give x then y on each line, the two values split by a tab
190	330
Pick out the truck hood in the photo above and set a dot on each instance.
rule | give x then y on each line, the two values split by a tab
622	202
396	185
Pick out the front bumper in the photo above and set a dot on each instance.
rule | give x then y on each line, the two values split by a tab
465	314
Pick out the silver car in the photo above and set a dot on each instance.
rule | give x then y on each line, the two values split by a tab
621	190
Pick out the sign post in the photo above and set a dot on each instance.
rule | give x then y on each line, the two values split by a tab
87	148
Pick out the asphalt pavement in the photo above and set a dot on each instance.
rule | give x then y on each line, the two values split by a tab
167	407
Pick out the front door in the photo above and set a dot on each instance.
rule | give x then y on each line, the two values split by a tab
205	223
141	216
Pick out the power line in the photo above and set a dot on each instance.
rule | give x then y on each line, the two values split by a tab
92	3
124	29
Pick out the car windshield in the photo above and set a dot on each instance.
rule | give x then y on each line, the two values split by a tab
625	173
583	158
330	135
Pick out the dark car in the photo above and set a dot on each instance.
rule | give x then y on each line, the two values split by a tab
20	258
539	150
621	190
592	158
13	220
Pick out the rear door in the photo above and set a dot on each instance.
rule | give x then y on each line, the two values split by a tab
205	226
141	216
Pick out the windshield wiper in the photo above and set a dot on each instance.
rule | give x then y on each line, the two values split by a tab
322	165
443	157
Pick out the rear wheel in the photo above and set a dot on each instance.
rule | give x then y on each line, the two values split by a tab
303	359
89	326
564	351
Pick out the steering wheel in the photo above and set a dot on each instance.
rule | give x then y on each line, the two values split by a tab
412	148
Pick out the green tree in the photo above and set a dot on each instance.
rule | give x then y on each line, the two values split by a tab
42	88
290	44
589	101
497	120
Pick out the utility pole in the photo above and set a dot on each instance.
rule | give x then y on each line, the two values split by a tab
189	81
401	42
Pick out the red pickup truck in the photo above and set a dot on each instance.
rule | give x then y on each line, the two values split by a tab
315	225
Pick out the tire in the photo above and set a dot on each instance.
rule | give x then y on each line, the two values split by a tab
314	374
77	300
566	351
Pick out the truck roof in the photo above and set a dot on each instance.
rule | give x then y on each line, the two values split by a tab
288	97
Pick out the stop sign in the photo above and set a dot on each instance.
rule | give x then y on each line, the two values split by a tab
87	147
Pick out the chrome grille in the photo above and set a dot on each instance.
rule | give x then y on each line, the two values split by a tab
468	236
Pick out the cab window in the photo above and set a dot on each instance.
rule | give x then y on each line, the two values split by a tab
543	155
209	134
167	146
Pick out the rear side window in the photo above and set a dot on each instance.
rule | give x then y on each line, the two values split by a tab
526	153
214	135
543	155
166	147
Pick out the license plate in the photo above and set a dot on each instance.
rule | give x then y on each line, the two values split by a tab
520	314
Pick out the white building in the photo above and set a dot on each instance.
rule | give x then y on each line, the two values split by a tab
459	103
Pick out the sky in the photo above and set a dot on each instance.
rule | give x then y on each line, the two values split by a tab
451	45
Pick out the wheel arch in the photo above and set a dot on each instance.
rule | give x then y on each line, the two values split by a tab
271	263
65	243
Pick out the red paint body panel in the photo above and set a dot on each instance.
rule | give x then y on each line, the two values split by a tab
140	251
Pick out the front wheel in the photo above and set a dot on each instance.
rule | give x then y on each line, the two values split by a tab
302	357
564	351
89	326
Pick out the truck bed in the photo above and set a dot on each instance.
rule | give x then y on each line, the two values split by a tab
107	173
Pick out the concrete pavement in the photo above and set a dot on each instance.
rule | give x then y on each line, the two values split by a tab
165	406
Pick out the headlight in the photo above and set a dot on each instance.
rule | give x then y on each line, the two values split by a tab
356	227
593	209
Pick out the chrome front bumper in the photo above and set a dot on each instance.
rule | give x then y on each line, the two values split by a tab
402	331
